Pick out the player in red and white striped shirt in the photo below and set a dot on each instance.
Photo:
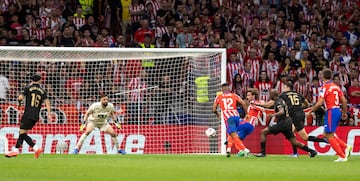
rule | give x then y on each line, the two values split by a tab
264	86
228	105
302	86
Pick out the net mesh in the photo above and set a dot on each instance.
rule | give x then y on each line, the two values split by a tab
164	104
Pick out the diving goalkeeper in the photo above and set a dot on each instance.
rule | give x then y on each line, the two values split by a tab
96	117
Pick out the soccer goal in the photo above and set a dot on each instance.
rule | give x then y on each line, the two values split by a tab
163	97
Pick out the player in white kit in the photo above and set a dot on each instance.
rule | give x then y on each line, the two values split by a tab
96	117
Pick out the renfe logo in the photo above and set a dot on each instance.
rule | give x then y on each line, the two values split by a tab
94	143
325	149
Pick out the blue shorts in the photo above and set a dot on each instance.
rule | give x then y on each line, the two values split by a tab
332	119
244	129
232	124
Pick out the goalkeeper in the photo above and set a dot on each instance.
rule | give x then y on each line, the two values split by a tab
96	117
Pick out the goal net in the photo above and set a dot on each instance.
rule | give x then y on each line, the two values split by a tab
163	97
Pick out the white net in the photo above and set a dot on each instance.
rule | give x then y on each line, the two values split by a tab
163	98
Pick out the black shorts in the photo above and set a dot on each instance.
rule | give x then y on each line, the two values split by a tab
298	119
284	127
26	123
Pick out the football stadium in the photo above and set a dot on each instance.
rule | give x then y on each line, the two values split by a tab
179	90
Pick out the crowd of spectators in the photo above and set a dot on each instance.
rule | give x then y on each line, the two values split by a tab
267	41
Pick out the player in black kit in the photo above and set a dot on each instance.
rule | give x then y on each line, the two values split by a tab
283	125
295	102
34	96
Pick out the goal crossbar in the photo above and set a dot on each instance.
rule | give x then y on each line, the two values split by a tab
92	54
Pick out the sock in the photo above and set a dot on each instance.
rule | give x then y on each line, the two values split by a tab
20	141
115	142
305	148
81	140
263	145
35	148
294	150
316	139
238	143
16	150
335	145
28	140
230	142
341	143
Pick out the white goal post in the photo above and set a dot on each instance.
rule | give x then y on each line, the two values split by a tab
163	97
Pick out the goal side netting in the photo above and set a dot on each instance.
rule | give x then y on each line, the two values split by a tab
163	98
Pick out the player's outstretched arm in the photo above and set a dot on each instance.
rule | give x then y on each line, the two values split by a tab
318	104
268	104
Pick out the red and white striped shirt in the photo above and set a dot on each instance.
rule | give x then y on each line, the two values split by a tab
156	5
310	74
40	33
315	94
233	69
136	88
303	89
335	66
344	79
246	77
255	67
271	68
136	9
160	31
264	90
227	102
280	86
44	21
79	22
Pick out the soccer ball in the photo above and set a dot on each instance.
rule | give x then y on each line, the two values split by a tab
61	146
210	132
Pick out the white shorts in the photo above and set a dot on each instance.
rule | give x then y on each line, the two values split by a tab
101	126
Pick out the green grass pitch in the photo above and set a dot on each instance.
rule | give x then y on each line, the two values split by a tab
176	167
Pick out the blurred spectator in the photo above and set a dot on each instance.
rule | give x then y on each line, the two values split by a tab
140	33
136	98
237	85
302	86
184	39
264	85
147	42
86	6
87	41
354	92
337	81
4	87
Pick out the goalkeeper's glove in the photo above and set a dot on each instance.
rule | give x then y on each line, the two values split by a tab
118	125
82	126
